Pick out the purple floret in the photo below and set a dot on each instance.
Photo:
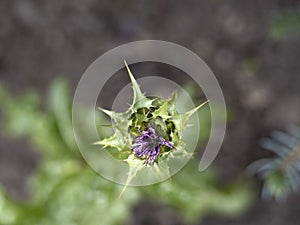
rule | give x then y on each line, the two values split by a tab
148	145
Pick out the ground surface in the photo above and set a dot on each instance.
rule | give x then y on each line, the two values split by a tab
40	40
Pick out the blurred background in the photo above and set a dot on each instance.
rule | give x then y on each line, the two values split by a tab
252	46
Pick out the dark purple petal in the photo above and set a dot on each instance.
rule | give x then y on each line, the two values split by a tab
167	143
148	145
157	151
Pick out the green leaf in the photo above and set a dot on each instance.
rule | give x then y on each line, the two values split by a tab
162	111
172	102
180	120
285	25
112	141
59	101
137	93
116	116
135	165
277	185
9	210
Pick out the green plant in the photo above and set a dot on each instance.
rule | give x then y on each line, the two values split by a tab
149	134
281	174
65	190
285	25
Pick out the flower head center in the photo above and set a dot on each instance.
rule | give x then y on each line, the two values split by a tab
148	145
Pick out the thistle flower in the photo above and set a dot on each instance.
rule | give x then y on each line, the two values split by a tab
149	144
149	132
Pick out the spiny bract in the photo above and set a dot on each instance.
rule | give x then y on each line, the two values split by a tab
149	131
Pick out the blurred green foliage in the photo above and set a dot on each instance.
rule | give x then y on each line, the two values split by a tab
285	25
281	173
249	66
65	190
